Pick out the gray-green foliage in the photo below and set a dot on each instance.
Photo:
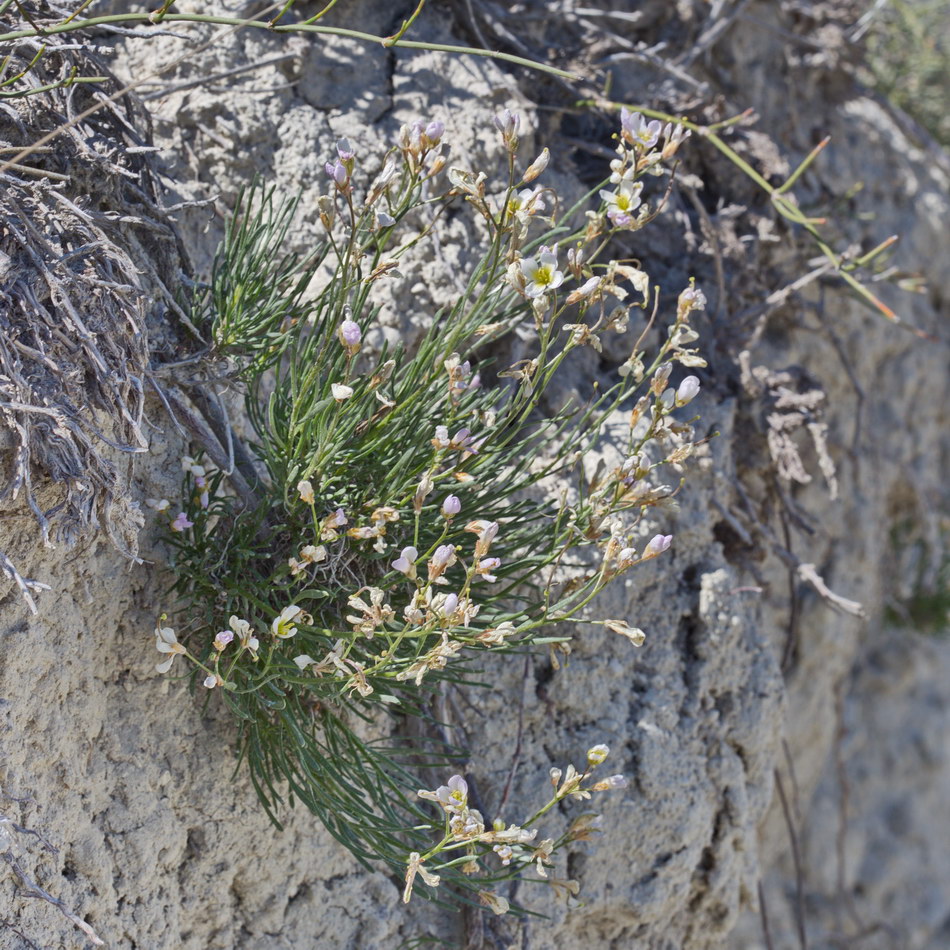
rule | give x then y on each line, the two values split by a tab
909	58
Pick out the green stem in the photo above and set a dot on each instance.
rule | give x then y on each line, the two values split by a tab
139	19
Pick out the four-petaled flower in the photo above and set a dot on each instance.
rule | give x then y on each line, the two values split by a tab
405	563
167	642
283	626
244	633
181	522
454	795
623	202
541	273
637	131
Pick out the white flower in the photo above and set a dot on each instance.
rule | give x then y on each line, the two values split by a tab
486	531
454	796
283	626
541	273
222	639
442	558
340	392
167	642
498	634
303	661
486	566
623	202
243	630
306	491
313	554
525	203
585	290
188	464
505	852
441	440
450	605
158	504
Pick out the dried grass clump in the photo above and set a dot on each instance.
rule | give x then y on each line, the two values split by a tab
85	249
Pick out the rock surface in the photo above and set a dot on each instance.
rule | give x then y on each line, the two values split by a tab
160	846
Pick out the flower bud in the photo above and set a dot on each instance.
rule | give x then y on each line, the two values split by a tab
597	754
327	211
350	334
657	545
660	377
537	166
222	639
687	390
451	507
336	172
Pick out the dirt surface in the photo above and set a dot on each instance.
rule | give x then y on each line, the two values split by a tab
747	674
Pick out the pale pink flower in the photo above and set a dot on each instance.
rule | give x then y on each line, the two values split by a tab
181	522
657	545
350	334
637	131
222	639
405	563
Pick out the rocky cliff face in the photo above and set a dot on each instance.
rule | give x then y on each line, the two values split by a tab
781	749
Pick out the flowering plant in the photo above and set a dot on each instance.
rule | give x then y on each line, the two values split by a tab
386	532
